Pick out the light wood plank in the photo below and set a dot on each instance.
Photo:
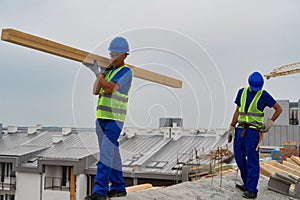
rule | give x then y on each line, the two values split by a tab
291	161
267	169
287	169
293	166
51	47
138	187
296	159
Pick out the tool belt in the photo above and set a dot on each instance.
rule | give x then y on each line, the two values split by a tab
245	126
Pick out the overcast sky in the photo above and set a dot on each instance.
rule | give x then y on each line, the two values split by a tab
212	46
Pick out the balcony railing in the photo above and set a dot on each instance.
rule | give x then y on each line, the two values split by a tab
9	184
54	183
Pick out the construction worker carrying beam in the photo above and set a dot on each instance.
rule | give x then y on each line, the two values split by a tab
249	118
113	86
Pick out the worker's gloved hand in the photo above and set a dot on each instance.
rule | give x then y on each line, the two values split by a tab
231	133
104	71
93	67
266	126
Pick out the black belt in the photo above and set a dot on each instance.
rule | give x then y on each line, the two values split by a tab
245	126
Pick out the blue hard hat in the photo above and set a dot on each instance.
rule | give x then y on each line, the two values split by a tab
119	44
256	81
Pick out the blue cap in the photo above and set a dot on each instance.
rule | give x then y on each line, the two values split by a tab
256	81
119	45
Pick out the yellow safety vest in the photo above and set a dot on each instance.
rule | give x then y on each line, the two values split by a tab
253	118
112	106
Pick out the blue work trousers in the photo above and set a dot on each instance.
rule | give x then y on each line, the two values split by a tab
109	167
247	158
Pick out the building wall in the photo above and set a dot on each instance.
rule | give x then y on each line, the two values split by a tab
56	195
283	119
27	186
299	111
0	130
81	186
279	134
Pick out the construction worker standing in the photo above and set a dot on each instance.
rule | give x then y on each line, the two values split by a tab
249	118
112	85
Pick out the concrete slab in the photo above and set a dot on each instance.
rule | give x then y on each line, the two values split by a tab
202	190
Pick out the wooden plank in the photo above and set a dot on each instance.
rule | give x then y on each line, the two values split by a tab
291	161
72	184
296	159
199	174
266	170
54	48
138	187
287	169
293	166
271	168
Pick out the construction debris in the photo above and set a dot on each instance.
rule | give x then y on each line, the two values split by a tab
281	182
288	149
194	170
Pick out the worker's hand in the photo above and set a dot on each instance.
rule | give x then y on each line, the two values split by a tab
231	133
93	67
104	71
266	126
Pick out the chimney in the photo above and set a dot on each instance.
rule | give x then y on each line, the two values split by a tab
66	131
166	131
39	127
12	129
0	130
130	133
57	138
174	124
176	133
31	130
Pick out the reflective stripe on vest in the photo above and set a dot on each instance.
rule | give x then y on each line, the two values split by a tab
112	106
252	116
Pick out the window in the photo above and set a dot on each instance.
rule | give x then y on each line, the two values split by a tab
58	178
65	175
5	171
7	197
2	171
8	169
294	116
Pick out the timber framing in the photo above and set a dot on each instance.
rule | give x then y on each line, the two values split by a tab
51	47
290	166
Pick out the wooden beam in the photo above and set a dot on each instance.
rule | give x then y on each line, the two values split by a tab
72	184
293	166
138	187
295	159
267	169
291	161
51	47
287	169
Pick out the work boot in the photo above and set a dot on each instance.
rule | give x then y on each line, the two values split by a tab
95	196
241	187
116	193
249	195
